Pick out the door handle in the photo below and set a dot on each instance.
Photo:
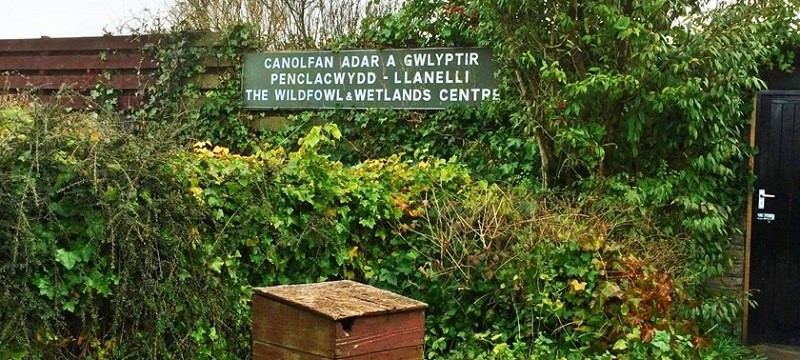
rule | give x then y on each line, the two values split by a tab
762	194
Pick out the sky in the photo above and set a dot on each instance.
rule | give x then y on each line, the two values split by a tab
71	18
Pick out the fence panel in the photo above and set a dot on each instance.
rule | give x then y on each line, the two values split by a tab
45	66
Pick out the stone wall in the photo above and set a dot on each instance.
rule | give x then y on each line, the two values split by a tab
732	281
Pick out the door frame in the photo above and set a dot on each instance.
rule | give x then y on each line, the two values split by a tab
749	217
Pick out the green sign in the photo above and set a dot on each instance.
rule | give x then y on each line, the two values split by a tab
432	78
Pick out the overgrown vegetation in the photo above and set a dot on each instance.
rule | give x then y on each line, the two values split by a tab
576	218
118	247
138	249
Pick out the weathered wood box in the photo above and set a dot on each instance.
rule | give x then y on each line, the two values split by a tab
336	320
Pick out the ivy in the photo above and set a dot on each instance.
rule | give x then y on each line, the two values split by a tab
196	86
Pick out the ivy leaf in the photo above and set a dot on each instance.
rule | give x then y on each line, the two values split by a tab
111	194
335	132
622	23
67	258
662	340
368	222
352	253
70	305
576	285
609	290
621	344
45	288
216	265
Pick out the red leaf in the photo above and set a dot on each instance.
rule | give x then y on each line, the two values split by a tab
648	332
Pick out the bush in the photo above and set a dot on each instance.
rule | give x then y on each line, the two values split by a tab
97	257
515	275
119	247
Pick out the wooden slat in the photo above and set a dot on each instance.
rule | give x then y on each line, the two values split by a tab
290	327
379	333
78	82
100	43
748	235
265	351
75	62
406	353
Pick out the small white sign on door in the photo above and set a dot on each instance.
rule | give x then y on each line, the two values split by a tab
765	216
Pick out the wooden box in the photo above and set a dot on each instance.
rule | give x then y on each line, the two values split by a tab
336	320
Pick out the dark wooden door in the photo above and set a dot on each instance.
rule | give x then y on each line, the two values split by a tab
775	242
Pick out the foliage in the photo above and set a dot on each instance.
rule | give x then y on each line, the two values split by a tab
647	97
480	138
507	275
123	245
126	248
540	277
420	24
486	139
196	87
674	77
96	250
645	100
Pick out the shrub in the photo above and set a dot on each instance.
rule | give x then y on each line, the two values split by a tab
119	247
541	276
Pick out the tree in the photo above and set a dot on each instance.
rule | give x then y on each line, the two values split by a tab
633	86
640	101
282	23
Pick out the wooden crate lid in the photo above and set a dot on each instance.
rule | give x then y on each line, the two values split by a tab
338	300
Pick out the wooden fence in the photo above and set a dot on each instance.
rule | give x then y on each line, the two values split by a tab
47	65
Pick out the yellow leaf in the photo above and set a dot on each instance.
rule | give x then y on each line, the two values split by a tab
621	344
196	191
95	136
201	144
593	244
353	253
576	285
219	150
